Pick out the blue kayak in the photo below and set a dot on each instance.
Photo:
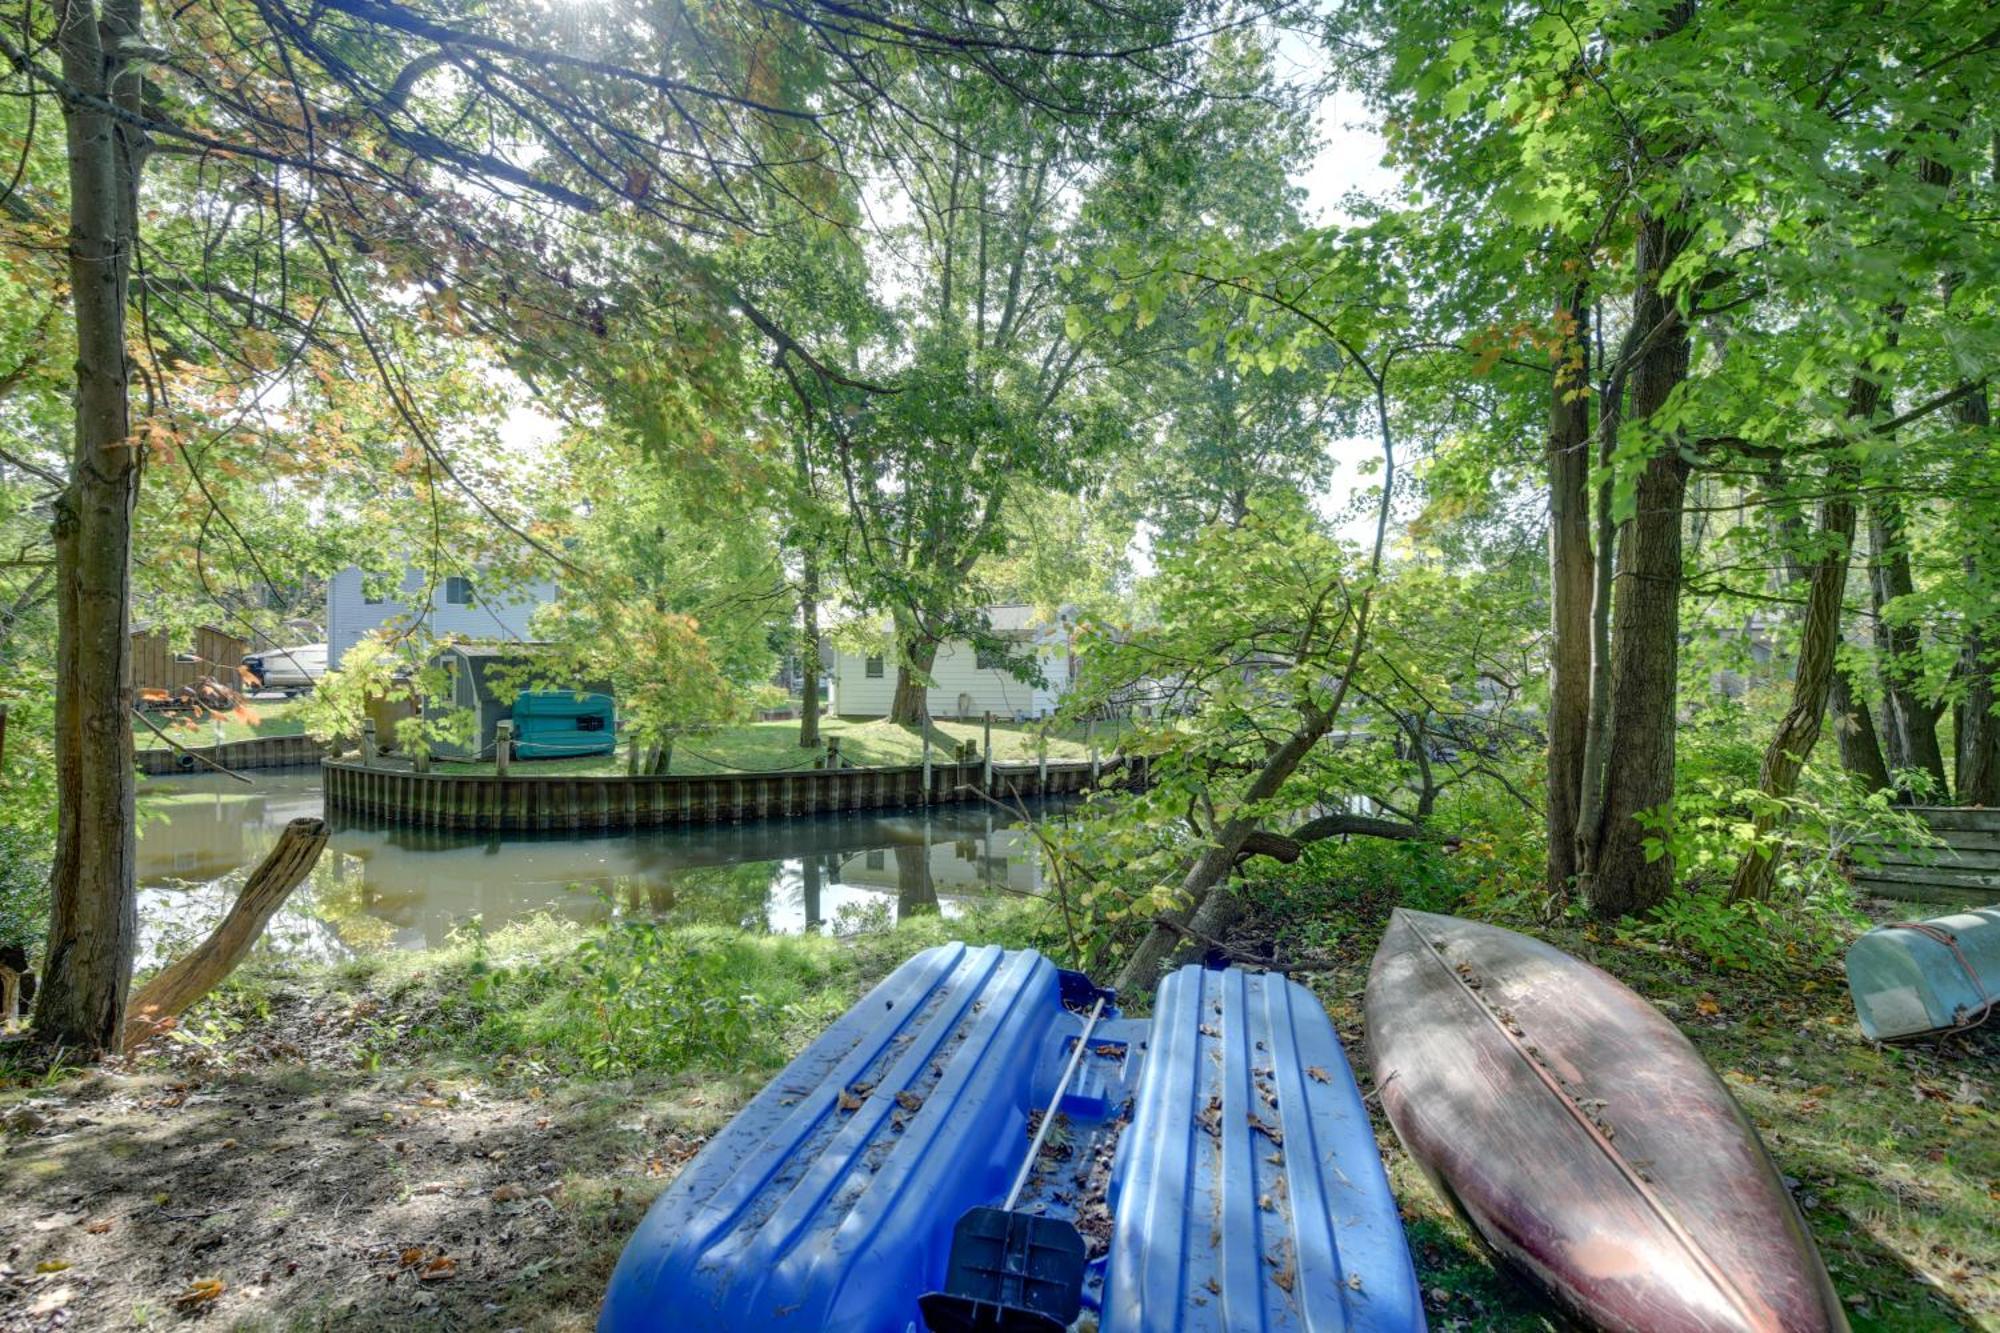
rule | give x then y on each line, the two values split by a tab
1216	1159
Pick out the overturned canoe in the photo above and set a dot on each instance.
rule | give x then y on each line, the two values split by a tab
1216	1160
1583	1138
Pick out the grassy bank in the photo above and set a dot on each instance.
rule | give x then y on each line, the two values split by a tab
771	746
467	1137
274	717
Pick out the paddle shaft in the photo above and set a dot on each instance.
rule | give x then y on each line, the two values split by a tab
1042	1130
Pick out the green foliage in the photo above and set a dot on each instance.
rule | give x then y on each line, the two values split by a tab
1806	933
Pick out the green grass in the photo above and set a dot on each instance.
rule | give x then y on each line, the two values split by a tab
768	746
280	717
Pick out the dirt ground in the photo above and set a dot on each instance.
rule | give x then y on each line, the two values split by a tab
288	1190
277	1181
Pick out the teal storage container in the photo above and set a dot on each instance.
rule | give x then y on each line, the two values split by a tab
1926	976
560	724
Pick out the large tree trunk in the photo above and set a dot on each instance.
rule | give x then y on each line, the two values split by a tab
1617	876
1978	759
1913	719
167	996
1570	586
93	923
1819	639
912	682
809	663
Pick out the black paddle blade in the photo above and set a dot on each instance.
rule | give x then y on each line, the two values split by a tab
1009	1273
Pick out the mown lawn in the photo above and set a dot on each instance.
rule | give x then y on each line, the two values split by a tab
274	717
751	747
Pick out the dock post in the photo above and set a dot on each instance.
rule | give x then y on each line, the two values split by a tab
1090	734
369	751
924	732
986	770
1042	767
503	747
833	759
420	756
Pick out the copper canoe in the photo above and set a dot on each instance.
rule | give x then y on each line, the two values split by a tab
1583	1138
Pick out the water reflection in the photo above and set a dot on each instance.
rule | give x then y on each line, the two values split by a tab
384	886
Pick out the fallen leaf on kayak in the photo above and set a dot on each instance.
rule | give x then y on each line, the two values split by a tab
200	1292
909	1101
1318	1075
849	1101
52	1300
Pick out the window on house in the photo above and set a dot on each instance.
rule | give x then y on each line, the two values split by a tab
458	591
989	659
872	668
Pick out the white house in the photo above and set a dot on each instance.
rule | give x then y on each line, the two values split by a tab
459	606
967	683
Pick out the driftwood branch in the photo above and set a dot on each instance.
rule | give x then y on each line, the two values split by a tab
164	998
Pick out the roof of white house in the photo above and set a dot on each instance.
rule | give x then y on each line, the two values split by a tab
1022	620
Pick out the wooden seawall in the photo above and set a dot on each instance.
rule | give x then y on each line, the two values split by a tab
523	803
257	752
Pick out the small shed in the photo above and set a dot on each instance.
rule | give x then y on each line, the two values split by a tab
491	680
159	664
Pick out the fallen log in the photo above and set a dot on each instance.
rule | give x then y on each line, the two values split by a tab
169	993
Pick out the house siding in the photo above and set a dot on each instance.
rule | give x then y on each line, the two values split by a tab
961	687
501	614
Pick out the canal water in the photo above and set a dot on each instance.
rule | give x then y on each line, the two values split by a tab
379	886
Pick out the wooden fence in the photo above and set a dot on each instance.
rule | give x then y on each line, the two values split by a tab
1965	871
158	665
522	802
257	752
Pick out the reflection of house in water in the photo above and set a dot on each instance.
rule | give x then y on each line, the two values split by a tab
964	860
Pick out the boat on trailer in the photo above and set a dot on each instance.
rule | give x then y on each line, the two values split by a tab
1214	1165
1583	1138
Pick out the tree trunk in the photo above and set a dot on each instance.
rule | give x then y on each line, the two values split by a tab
167	996
1570	580
1618	878
1853	722
1978	758
1220	856
809	663
1913	720
1819	639
1979	729
912	682
1854	729
93	922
